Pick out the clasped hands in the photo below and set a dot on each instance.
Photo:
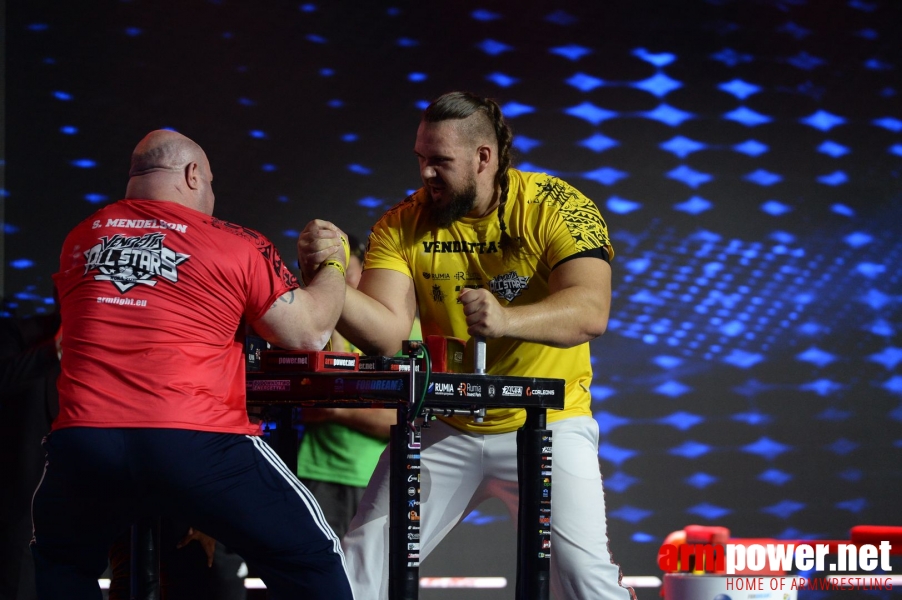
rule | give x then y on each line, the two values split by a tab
321	241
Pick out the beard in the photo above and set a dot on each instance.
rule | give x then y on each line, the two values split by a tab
460	204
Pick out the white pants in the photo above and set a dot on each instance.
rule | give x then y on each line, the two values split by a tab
459	471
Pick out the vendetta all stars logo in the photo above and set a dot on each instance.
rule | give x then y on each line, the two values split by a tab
129	261
508	286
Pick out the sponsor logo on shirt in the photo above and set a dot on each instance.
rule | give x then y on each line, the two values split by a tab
121	301
437	276
129	261
509	286
460	247
467	276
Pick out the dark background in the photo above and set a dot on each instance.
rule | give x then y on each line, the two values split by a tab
745	154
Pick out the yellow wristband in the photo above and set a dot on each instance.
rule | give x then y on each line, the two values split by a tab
336	264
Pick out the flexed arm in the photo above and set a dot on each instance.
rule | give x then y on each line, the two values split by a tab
303	319
377	315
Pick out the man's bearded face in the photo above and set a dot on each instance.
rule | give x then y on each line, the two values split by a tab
455	205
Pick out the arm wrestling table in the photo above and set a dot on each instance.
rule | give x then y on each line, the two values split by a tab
442	394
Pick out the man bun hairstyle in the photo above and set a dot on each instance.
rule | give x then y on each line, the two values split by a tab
462	105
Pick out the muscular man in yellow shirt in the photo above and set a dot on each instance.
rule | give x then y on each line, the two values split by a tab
522	259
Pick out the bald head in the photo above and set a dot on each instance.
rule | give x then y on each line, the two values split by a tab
166	165
164	150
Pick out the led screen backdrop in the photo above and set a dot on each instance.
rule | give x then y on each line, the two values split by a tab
746	155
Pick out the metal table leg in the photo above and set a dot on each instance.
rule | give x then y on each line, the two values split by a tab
404	510
534	518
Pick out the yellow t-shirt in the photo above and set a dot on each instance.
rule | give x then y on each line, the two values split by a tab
552	222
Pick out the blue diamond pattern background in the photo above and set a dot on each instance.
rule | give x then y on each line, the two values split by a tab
591	113
682	146
740	88
598	143
751	148
747	117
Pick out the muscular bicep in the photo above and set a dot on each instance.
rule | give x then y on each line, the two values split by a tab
584	272
587	281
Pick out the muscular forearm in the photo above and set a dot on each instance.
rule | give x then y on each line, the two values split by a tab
303	319
322	305
371	326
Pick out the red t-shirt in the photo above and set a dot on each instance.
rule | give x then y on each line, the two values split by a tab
152	295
